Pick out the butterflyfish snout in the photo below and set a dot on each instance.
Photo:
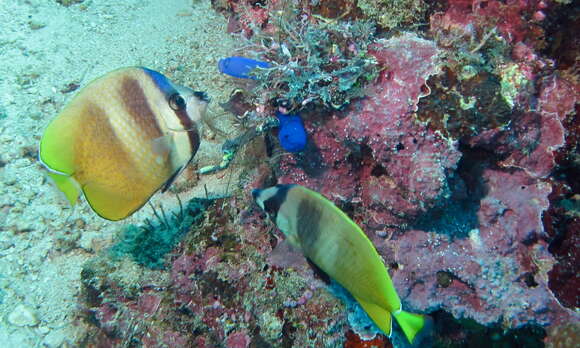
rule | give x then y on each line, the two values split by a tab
123	137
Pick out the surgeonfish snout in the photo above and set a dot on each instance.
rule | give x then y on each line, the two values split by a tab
124	136
255	194
338	247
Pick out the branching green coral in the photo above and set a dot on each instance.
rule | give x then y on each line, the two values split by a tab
325	63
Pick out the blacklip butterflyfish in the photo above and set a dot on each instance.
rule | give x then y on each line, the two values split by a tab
337	246
123	137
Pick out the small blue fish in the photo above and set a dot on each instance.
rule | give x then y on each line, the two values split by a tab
240	67
292	134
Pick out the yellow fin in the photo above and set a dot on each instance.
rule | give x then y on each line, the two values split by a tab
410	323
113	204
57	142
380	316
67	185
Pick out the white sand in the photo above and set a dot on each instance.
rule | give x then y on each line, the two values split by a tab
43	48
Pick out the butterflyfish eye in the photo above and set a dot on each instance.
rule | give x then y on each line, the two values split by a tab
176	102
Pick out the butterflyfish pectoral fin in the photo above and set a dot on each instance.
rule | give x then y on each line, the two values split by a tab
163	145
380	316
410	323
67	185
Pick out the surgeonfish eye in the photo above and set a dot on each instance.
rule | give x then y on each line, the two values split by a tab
201	95
176	102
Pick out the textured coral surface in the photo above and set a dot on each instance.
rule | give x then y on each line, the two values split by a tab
460	162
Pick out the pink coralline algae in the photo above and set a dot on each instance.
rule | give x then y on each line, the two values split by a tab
466	17
557	99
380	136
498	273
238	340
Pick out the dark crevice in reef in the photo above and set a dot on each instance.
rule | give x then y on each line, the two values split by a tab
562	219
460	333
562	26
456	213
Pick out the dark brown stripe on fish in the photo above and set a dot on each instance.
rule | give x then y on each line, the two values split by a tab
96	132
136	104
191	129
308	225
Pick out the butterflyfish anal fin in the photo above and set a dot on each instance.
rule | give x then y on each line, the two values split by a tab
380	316
67	185
111	203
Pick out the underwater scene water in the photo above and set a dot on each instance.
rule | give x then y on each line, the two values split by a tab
284	173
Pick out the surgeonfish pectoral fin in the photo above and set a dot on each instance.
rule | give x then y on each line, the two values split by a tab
380	316
67	185
410	323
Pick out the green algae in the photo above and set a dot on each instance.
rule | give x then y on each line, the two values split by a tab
149	243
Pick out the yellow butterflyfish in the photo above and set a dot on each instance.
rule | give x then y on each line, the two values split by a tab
123	137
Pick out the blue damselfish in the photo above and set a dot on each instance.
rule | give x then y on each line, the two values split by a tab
240	67
292	134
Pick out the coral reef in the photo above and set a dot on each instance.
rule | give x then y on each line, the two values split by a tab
318	62
391	14
455	151
210	294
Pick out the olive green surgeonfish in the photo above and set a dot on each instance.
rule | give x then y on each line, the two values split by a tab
124	136
336	245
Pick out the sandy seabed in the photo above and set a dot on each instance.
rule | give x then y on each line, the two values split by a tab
46	50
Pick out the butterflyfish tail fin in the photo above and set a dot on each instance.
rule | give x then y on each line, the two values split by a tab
67	185
410	323
380	316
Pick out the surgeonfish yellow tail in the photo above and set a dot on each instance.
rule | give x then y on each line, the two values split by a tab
410	323
338	247
124	136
